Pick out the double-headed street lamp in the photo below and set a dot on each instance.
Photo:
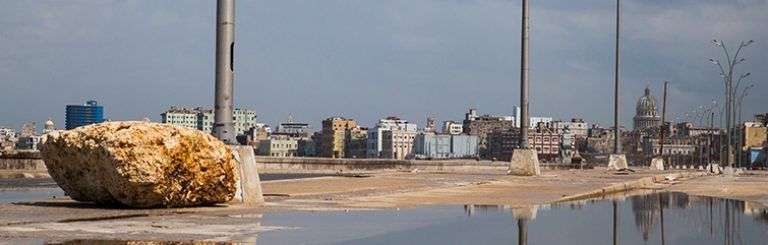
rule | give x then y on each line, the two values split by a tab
727	73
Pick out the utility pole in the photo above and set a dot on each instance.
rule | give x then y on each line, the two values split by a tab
223	128
663	120
524	116
616	133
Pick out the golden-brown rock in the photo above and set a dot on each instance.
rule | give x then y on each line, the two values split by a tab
140	164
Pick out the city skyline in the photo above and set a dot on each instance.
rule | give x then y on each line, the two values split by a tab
142	57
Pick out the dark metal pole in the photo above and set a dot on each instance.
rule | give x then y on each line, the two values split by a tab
711	134
223	128
616	133
524	119
663	120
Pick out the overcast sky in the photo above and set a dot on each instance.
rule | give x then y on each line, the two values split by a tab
367	59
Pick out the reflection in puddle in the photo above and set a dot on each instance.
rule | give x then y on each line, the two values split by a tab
657	218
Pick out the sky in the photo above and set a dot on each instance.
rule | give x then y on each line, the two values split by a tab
368	59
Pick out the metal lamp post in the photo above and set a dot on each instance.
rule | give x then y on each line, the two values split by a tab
524	117
741	97
727	73
223	127
616	133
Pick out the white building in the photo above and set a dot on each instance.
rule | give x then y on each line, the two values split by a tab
453	128
577	127
180	116
398	144
374	141
202	119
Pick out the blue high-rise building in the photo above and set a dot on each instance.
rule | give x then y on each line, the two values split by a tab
80	115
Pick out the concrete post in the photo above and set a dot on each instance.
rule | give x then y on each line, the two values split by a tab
249	191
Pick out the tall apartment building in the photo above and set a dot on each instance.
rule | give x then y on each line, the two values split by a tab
80	115
202	119
375	145
333	140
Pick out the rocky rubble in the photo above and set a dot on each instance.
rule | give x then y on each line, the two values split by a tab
140	164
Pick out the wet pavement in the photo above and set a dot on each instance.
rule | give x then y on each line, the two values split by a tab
658	218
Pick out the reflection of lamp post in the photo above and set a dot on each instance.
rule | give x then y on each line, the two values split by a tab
522	231
615	223
726	72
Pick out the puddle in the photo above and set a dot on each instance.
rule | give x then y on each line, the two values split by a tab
658	218
33	194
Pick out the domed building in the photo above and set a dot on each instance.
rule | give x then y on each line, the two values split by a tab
49	126
646	114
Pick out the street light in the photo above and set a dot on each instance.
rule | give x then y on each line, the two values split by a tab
743	94
727	73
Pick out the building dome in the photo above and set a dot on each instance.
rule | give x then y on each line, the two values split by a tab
646	105
646	114
49	124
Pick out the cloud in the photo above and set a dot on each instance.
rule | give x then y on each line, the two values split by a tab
368	59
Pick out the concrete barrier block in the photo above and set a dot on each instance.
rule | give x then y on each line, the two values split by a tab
524	162
617	161
657	163
248	184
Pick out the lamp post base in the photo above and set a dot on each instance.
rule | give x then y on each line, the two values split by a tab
248	184
525	162
617	162
657	163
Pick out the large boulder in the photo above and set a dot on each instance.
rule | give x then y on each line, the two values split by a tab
140	164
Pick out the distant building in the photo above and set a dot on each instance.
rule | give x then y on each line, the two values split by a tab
202	119
333	140
80	115
452	127
375	144
255	136
356	142
7	139
482	126
49	126
445	146
294	129
398	144
576	127
646	113
545	141
431	125
279	147
181	116
28	138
